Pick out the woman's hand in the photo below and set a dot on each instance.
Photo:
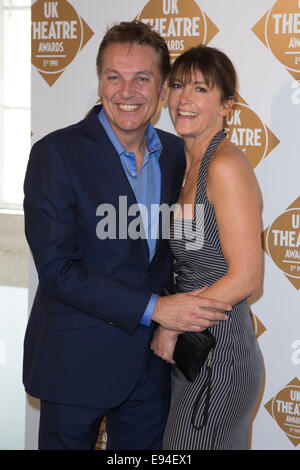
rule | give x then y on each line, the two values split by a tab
163	343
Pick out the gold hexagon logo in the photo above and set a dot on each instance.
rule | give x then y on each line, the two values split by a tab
181	23
246	130
279	30
281	241
258	326
58	33
284	408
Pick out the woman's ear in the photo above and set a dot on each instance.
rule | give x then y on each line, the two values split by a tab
227	106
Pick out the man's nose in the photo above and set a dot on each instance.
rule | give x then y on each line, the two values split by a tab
127	89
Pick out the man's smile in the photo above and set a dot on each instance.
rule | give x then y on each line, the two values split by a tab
128	107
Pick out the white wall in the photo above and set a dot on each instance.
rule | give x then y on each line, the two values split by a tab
13	319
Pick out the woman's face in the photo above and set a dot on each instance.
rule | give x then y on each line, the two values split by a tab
195	108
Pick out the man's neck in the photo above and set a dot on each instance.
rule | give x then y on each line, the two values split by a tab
133	142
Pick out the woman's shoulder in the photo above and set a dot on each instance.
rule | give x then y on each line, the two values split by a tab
230	168
229	158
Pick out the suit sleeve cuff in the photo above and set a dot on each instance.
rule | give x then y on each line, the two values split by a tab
147	317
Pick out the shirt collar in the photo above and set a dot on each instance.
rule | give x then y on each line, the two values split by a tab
152	140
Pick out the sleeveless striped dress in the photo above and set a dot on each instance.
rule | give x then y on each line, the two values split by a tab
237	361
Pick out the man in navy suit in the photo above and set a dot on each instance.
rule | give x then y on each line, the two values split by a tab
87	345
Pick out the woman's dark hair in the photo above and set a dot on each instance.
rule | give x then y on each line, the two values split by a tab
136	32
216	68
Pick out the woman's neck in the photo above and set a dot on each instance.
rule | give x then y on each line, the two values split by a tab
195	147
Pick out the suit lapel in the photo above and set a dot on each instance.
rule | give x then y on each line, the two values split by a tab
165	175
164	199
109	160
107	156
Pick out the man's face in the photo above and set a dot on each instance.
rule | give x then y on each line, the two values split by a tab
131	87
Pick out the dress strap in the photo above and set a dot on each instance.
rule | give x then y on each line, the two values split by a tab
202	175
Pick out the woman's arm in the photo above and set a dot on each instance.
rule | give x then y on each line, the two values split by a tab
233	191
163	343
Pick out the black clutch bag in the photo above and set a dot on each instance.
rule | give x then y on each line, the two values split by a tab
191	352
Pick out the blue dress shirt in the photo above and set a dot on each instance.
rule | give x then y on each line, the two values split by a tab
146	186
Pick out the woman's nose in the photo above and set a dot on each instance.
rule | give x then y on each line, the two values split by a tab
185	95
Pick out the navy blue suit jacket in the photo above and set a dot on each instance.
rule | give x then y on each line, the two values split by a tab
84	343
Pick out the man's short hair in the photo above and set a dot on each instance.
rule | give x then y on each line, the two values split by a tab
136	32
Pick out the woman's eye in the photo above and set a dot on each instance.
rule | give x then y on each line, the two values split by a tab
201	89
176	86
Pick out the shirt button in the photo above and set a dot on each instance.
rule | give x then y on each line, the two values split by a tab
133	174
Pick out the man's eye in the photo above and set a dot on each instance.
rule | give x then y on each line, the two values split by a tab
112	77
143	79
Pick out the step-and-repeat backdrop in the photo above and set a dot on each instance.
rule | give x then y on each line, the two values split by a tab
262	37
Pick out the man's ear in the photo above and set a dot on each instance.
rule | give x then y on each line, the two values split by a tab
99	88
164	90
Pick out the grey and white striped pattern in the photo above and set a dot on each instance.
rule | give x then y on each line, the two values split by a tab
237	362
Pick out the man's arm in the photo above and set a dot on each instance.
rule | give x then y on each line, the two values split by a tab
164	339
51	226
189	311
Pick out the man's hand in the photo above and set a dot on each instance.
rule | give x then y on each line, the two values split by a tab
189	311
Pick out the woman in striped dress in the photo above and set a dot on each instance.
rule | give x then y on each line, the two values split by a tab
215	239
